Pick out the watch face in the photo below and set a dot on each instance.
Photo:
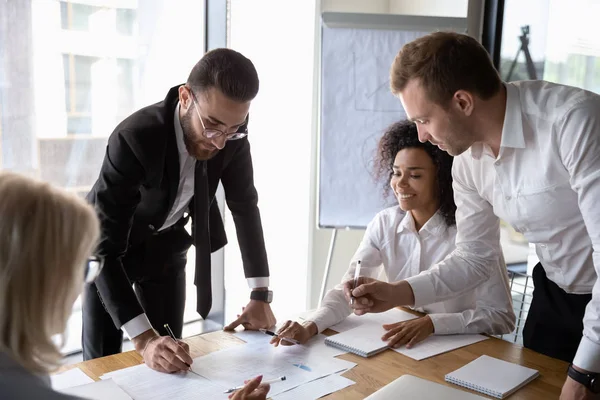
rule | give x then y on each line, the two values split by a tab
269	296
595	385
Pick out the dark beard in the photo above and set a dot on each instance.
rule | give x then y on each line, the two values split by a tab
192	147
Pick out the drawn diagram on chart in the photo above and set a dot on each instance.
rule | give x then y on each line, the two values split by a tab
372	84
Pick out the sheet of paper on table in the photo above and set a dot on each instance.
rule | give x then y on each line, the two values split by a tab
231	367
388	317
316	389
438	344
72	377
143	383
101	390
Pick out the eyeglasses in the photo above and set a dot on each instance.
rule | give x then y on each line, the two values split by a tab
212	133
93	266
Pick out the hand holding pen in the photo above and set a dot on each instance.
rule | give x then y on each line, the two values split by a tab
180	344
356	276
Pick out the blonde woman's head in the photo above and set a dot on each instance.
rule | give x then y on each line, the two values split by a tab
46	237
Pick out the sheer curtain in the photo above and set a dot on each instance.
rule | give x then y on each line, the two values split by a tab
279	39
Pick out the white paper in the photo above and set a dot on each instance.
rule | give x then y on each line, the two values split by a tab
313	349
388	317
438	344
316	389
413	388
101	390
70	378
143	383
231	367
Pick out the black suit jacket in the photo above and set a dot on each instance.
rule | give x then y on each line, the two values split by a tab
136	190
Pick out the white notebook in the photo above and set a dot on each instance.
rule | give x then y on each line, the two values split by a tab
364	341
413	388
496	378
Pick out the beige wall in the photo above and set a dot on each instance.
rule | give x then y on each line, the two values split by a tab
348	240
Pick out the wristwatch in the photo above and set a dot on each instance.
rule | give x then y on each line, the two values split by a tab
262	295
590	381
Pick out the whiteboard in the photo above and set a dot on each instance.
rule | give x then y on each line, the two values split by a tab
356	107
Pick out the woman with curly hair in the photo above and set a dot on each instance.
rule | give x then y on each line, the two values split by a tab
407	239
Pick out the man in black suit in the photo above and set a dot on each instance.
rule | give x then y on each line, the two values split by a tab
162	166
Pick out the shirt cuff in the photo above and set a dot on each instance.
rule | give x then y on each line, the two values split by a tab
136	326
588	355
322	318
447	324
423	289
254	283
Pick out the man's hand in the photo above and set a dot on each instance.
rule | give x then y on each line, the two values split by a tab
253	390
408	332
256	315
373	296
294	330
573	390
162	353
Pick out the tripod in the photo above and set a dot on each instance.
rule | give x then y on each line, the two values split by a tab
525	49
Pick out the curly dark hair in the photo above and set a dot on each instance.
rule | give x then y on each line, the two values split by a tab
403	135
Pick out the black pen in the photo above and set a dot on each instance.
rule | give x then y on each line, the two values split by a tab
276	335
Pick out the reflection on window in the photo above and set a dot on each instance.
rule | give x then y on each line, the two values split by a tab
561	37
78	17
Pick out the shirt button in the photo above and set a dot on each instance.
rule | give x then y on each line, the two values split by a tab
497	163
507	197
151	227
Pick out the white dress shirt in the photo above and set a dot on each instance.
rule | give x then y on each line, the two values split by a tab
185	192
545	182
391	241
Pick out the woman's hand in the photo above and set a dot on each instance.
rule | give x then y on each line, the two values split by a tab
294	330
253	390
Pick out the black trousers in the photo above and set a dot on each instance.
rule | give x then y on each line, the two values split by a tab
156	269
554	324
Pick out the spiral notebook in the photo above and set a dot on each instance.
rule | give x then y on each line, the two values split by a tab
413	388
364	341
496	378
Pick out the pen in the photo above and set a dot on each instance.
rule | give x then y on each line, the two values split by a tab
356	275
170	332
276	335
281	378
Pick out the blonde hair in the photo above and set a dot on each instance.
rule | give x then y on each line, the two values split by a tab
46	236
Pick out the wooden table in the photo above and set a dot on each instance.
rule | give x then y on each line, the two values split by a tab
372	373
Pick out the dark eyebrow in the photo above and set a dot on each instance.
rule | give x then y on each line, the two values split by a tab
214	120
409	168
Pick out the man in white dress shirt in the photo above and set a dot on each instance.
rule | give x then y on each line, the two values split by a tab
528	153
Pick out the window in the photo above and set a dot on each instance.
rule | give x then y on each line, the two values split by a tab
74	16
70	72
78	92
559	35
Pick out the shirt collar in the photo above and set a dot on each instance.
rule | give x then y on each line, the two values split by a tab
179	132
436	225
512	127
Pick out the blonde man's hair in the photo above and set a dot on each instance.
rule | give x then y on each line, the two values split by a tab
46	236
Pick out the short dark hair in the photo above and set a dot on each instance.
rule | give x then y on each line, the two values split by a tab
227	70
445	62
403	135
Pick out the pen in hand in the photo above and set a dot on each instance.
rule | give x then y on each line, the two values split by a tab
281	378
265	331
172	335
356	275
